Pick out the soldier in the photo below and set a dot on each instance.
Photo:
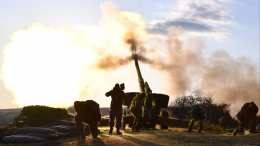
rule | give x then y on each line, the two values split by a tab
148	101
247	115
136	110
117	96
149	105
89	113
197	115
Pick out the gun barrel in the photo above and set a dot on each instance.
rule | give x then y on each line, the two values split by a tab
140	79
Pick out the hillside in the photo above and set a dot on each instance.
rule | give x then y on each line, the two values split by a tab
7	115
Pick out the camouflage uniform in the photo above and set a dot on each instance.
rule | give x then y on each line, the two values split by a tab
149	105
89	113
117	96
197	115
136	110
247	115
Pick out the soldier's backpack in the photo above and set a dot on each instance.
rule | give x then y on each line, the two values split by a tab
253	108
92	109
248	111
88	108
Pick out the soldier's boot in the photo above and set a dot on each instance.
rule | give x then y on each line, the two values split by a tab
235	132
199	130
111	129
133	127
252	127
200	127
189	129
117	131
191	124
136	129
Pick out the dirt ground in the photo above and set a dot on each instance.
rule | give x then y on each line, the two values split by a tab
172	136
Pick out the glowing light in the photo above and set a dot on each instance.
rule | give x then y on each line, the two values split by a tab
44	65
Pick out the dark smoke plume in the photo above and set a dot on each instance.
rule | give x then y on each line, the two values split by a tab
141	58
132	41
111	62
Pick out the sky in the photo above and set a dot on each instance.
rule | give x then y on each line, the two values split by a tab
35	34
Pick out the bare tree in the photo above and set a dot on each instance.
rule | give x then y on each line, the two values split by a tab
181	106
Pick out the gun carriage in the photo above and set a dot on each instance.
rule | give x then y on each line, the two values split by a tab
160	101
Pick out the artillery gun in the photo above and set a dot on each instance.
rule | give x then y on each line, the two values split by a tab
158	101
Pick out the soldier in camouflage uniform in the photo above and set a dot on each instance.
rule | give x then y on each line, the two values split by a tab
149	105
136	110
117	96
247	115
89	113
197	115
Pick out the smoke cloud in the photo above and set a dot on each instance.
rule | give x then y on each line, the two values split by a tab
186	68
110	62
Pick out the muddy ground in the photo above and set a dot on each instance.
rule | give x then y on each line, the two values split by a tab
172	136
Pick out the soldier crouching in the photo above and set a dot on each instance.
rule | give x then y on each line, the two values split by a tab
89	113
197	115
247	115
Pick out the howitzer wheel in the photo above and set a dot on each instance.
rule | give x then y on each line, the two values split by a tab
164	114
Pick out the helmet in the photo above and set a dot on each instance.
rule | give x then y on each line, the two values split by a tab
251	104
122	86
116	86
